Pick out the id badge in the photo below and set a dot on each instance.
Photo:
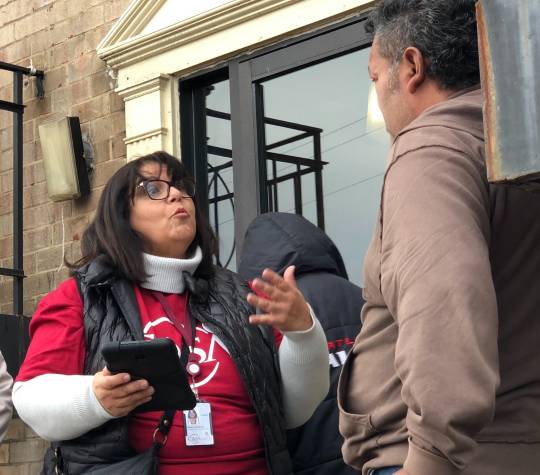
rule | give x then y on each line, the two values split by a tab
198	425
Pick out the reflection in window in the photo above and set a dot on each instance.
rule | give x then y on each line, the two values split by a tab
327	102
220	171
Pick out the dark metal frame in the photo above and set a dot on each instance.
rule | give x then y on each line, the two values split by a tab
311	166
247	75
14	356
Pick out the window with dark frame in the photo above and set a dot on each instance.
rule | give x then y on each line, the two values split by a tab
288	129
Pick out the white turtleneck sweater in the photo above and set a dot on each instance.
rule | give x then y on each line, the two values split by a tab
62	407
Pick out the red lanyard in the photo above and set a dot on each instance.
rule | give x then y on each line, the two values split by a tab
188	335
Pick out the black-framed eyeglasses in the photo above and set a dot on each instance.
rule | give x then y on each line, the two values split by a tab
160	189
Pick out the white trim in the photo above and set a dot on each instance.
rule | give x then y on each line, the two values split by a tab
146	135
143	88
150	65
119	50
132	22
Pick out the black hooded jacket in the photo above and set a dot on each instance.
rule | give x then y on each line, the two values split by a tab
276	241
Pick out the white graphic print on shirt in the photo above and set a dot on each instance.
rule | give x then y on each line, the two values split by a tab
205	347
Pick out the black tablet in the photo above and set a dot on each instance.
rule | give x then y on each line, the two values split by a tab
156	361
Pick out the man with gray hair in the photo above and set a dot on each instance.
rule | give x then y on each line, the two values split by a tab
444	377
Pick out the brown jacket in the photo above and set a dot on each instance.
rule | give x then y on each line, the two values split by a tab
444	377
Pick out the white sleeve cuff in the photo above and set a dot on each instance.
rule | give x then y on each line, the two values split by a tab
305	374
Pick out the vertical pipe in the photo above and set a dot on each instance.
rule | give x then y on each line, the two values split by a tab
297	181
273	189
18	194
18	216
216	213
318	180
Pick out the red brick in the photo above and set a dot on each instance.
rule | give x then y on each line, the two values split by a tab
117	103
6	137
71	230
84	65
99	83
35	194
28	131
60	32
102	151
50	259
36	239
6	247
58	10
6	224
36	217
118	147
60	103
23	28
6	183
55	79
86	205
15	430
37	107
6	203
42	40
114	9
4	454
18	50
7	34
29	152
80	90
58	210
74	8
92	109
91	18
38	284
75	47
33	173
29	263
6	290
31	450
105	170
57	56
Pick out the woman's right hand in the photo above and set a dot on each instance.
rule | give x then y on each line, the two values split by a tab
118	394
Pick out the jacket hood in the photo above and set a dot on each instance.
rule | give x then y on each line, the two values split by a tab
461	111
279	240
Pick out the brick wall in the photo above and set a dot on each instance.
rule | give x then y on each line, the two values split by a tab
60	38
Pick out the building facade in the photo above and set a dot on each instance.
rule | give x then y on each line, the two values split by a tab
267	101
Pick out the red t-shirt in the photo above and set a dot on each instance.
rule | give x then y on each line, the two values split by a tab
58	346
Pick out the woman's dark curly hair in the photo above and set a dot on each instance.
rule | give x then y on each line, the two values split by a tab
110	235
443	30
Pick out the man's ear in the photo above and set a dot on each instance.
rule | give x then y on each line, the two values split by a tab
415	68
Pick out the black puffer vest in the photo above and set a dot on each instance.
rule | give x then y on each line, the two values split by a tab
111	314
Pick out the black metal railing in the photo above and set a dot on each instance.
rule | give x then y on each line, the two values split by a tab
303	166
14	348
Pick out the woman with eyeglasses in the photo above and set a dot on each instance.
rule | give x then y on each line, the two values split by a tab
147	272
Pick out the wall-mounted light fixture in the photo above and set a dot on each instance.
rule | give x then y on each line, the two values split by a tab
66	167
